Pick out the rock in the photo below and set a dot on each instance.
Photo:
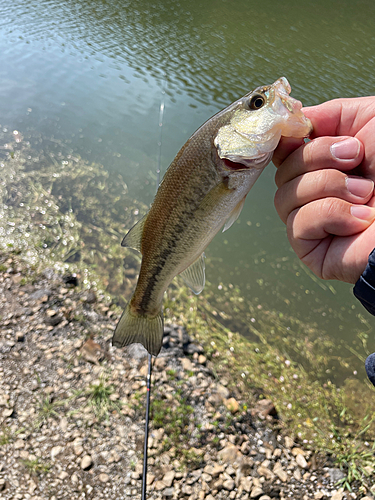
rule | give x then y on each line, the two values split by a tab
301	461
137	351
246	483
232	405
280	472
159	485
187	489
288	442
297	474
256	492
150	479
90	297
20	337
19	443
103	477
77	446
55	451
228	485
335	475
41	294
92	352
168	492
74	478
263	408
63	424
187	365
32	486
338	495
222	391
168	478
265	497
53	320
264	471
192	348
86	462
298	451
214	470
231	454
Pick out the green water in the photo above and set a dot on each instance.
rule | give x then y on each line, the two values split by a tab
89	78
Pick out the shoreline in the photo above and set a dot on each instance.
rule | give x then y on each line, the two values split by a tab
72	409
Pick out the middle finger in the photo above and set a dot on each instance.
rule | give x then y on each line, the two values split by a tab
340	153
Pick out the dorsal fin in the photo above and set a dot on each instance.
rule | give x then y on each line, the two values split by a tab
194	276
133	237
234	214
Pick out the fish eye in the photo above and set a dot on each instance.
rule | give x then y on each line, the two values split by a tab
257	102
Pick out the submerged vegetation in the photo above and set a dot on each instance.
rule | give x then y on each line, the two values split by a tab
62	212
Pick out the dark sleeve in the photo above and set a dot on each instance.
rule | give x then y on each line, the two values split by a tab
364	289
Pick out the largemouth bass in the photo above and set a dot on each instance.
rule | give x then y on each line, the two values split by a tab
203	190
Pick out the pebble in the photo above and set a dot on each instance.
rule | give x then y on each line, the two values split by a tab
301	461
256	492
338	495
228	484
103	477
168	478
232	405
280	472
86	462
55	451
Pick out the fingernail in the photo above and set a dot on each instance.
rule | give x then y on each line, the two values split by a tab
347	149
359	186
362	212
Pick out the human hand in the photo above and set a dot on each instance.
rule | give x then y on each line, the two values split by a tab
325	190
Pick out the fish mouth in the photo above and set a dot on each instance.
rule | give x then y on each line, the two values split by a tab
245	163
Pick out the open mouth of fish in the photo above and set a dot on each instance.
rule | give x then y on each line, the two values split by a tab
245	163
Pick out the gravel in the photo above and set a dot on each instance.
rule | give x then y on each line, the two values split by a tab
72	410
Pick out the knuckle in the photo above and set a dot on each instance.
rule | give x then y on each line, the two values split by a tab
331	207
309	153
326	180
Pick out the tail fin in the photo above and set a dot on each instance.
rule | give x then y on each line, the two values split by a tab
147	331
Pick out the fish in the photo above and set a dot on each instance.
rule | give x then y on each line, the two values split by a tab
203	190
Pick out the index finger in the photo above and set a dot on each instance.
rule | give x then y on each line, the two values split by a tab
340	116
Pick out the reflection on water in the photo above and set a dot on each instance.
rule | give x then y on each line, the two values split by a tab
90	75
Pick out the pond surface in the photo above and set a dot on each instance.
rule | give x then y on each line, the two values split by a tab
91	77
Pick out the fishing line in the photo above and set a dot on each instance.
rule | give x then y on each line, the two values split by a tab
148	379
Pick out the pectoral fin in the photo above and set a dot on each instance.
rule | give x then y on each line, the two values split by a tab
133	237
234	214
194	276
